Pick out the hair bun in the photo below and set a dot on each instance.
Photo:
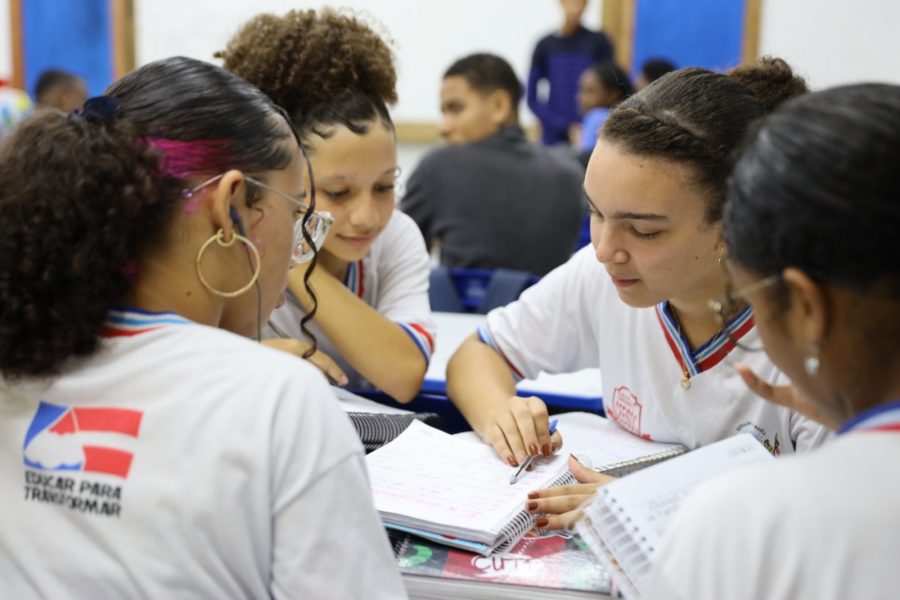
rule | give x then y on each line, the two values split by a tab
305	59
771	81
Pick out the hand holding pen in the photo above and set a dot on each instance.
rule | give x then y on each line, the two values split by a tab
527	462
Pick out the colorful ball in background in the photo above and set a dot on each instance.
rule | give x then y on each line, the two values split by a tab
15	105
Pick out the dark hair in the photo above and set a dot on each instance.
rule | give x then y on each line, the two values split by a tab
697	117
613	77
325	69
487	73
655	68
51	79
84	196
817	188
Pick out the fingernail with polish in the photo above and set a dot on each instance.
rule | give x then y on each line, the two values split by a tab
532	506
533	450
512	460
533	495
541	523
546	449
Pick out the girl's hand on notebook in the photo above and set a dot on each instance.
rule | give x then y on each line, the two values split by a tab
785	395
321	360
521	428
561	506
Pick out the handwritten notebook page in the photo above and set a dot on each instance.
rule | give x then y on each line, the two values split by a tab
430	479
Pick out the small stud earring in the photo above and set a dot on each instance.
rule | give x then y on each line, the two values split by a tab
811	362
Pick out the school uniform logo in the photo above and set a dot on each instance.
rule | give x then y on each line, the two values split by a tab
63	444
772	445
626	410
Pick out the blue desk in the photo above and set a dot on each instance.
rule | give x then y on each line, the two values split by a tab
581	390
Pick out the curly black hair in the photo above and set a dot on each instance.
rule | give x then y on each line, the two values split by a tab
84	197
325	68
698	117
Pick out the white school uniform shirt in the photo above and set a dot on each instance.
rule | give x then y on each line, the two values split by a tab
573	319
182	461
392	278
822	526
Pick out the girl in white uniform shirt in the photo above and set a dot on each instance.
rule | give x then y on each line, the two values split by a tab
335	76
811	223
147	451
635	302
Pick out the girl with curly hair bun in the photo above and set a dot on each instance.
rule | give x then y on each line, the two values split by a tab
335	77
636	302
145	449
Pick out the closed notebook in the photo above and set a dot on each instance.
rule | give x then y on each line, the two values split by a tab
377	424
455	490
541	566
627	520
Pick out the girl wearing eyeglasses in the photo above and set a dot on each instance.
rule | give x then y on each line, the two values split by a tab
145	449
811	222
635	302
335	77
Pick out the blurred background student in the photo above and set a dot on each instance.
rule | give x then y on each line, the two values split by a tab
811	222
373	321
491	198
600	88
652	70
558	61
59	89
15	105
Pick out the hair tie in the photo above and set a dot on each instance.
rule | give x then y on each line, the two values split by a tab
99	109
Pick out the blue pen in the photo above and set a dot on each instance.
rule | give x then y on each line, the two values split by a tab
528	460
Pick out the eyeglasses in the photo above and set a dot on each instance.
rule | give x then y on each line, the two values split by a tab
316	225
727	306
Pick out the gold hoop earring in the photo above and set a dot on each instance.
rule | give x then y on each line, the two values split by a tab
219	238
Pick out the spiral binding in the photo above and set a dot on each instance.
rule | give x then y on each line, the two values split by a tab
623	468
522	523
376	429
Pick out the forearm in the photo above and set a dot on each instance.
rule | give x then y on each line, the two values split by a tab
375	346
479	382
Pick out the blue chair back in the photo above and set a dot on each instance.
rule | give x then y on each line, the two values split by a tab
476	290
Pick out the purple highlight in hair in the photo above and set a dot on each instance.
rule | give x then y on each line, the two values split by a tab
182	159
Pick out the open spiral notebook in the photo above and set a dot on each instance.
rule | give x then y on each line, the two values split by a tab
456	491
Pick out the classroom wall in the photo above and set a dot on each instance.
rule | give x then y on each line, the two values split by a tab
428	34
6	67
834	41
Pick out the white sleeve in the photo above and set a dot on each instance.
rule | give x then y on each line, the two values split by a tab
327	538
552	327
403	272
723	542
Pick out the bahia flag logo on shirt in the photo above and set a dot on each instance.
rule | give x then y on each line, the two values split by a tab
89	440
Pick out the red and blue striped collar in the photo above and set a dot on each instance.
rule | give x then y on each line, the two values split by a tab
710	353
884	417
354	278
127	321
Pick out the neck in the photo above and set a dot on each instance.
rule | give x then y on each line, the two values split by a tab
569	27
162	288
697	322
335	266
870	388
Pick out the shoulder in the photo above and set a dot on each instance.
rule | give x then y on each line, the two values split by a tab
242	361
400	238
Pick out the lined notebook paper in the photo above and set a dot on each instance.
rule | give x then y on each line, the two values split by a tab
627	520
455	491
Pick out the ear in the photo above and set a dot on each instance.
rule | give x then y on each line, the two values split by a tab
227	195
811	302
501	108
